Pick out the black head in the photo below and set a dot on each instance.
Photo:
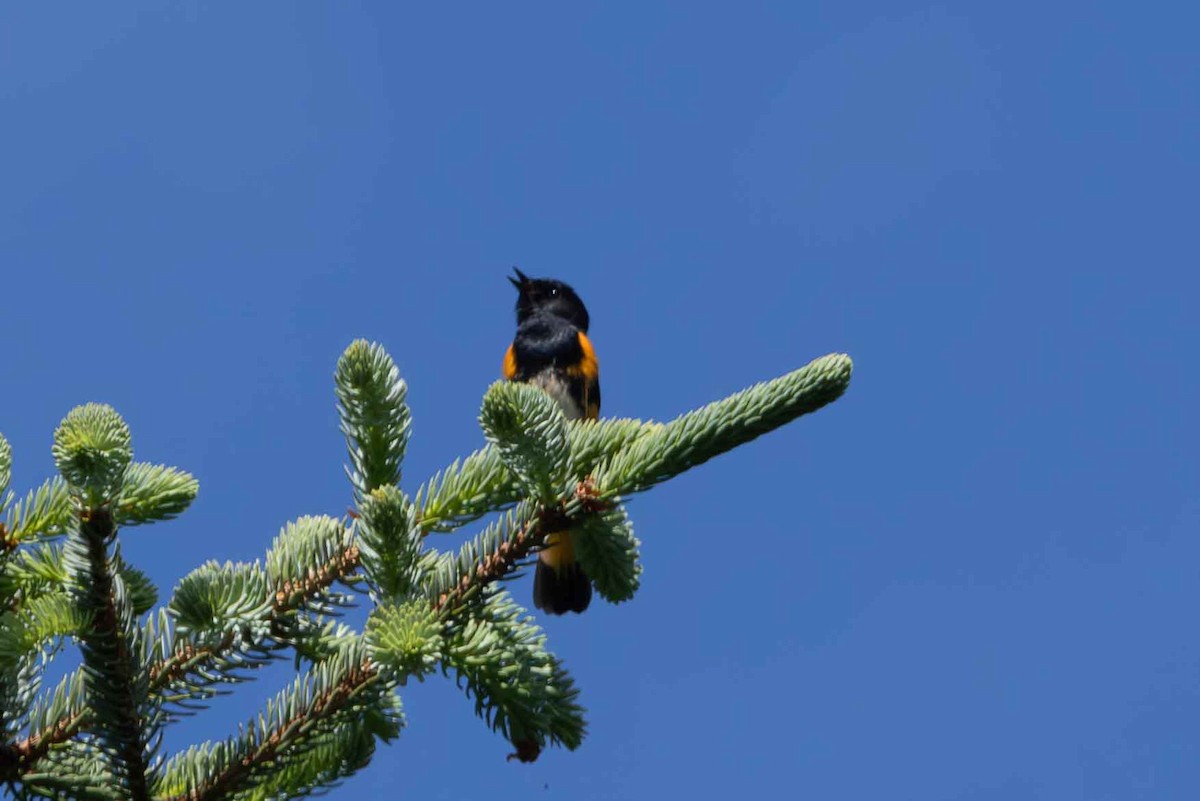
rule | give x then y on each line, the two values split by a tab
547	296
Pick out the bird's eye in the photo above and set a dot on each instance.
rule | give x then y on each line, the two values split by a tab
554	292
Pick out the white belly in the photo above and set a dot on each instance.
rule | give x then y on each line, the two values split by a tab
550	383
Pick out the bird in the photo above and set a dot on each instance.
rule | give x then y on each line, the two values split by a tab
551	351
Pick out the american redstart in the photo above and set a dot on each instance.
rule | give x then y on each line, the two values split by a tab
552	351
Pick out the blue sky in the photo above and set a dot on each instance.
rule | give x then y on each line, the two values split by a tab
973	577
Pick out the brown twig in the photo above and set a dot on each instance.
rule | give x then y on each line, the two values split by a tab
501	561
7	541
285	735
531	536
17	759
293	593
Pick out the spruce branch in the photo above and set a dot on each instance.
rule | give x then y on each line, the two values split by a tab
491	556
234	617
225	624
186	675
698	436
339	695
153	492
215	600
608	550
204	654
76	770
141	590
465	491
150	492
32	571
593	441
255	624
92	451
521	690
374	413
116	687
389	541
505	544
527	427
52	721
406	637
306	559
38	621
20	680
481	483
36	571
45	512
325	762
56	716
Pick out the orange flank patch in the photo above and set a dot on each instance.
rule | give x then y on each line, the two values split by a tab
558	552
510	364
588	364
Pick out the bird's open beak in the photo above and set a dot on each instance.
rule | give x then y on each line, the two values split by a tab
520	281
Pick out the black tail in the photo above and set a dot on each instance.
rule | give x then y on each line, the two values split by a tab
558	590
